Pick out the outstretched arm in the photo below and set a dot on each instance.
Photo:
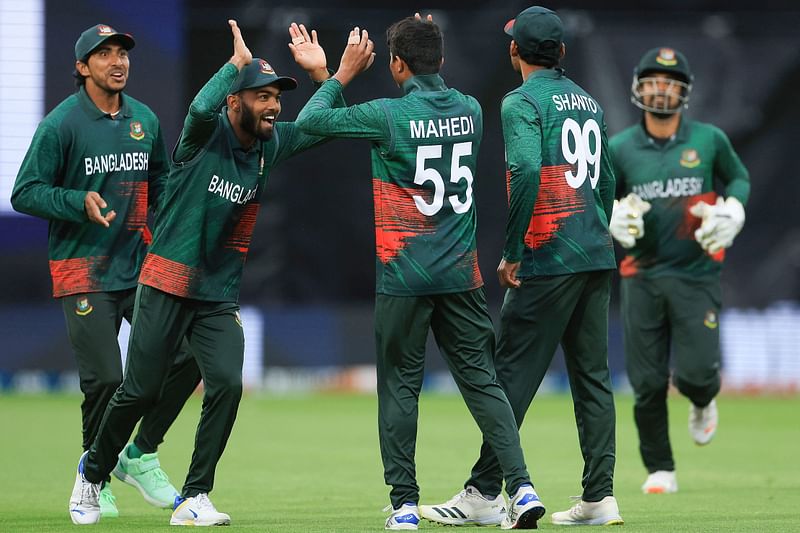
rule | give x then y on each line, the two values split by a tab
202	119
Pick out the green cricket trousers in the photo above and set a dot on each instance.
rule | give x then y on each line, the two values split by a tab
160	322
543	312
93	323
662	315
463	331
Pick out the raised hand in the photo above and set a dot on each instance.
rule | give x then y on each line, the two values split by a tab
307	52
241	54
357	57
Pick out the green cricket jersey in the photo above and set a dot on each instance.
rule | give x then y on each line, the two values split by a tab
424	154
559	176
673	177
212	197
76	149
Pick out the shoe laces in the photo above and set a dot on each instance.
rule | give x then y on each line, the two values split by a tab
576	511
204	502
455	500
90	492
159	477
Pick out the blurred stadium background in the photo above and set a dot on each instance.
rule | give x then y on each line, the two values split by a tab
308	287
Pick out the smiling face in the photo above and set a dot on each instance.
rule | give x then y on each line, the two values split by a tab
260	108
106	68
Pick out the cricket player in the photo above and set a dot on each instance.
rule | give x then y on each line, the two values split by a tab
675	229
94	166
424	151
557	265
189	283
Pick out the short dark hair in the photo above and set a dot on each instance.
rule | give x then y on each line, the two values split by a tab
547	56
80	80
417	42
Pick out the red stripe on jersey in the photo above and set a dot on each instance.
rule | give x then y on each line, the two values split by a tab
556	201
77	275
167	275
137	214
628	267
397	219
471	259
242	233
136	219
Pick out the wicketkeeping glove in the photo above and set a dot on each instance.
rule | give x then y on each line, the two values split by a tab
721	223
626	223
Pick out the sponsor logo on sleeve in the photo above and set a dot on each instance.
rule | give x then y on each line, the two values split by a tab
83	307
137	132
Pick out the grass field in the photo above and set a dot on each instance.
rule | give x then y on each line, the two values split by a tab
311	463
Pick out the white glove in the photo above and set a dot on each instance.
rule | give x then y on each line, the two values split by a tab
721	223
626	220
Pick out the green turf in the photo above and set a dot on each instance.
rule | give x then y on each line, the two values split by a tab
312	464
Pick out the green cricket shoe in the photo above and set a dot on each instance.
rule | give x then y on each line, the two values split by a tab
145	474
108	503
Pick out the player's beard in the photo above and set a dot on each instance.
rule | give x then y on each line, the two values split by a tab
250	124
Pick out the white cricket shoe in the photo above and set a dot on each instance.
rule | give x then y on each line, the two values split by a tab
661	482
468	507
602	513
406	517
703	422
524	510
197	511
84	504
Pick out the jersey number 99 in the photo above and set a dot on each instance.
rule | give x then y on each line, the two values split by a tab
457	173
582	155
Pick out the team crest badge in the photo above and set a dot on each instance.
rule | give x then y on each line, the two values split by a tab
711	321
102	30
83	307
238	318
689	158
266	68
666	57
137	132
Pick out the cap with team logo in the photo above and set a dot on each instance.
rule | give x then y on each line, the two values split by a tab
664	59
97	35
258	74
537	30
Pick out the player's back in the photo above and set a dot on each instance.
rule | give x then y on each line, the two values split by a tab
423	189
568	231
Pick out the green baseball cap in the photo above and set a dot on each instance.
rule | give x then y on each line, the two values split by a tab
97	35
258	74
664	59
537	30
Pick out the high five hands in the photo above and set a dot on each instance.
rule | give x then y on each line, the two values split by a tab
357	57
241	54
307	52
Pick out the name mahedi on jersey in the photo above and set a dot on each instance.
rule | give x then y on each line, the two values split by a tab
443	127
